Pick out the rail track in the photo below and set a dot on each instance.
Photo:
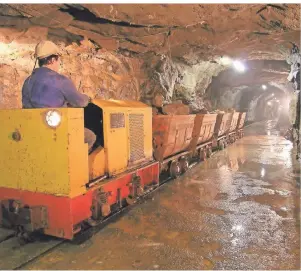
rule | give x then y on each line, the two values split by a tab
14	254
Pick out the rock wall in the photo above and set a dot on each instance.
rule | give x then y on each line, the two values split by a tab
135	51
97	73
104	74
179	81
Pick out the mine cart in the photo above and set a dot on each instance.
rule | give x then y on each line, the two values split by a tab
232	131
172	135
240	124
221	129
201	143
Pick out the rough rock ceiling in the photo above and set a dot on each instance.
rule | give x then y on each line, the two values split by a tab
190	32
133	51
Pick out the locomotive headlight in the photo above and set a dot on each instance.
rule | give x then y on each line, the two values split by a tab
53	118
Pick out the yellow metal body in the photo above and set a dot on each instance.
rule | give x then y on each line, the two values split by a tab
97	163
37	158
127	131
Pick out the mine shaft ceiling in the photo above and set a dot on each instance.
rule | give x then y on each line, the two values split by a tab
192	32
133	51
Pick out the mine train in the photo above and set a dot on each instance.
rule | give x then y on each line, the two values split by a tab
50	184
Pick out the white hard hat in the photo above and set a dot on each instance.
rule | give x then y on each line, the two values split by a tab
46	48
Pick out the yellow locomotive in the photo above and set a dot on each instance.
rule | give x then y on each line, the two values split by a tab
50	183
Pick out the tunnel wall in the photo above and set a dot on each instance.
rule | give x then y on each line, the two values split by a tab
136	51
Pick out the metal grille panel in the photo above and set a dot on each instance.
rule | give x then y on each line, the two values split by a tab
117	120
136	137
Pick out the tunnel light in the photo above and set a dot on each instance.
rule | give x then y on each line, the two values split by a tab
264	87
225	60
269	103
262	173
53	118
277	101
273	94
239	66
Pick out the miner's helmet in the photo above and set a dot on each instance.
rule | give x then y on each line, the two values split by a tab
46	48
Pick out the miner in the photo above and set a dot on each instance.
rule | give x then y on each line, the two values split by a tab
46	87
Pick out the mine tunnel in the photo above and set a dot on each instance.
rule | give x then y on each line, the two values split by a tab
150	136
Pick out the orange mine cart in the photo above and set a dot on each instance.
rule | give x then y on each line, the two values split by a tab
203	128
202	134
222	127
232	136
241	120
240	124
223	123
172	135
234	121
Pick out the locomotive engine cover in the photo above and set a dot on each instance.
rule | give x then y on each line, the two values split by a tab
127	135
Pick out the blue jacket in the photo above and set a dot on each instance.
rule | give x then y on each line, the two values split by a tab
47	88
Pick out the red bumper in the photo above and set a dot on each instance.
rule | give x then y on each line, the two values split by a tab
64	214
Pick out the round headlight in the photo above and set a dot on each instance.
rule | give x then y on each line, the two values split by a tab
53	118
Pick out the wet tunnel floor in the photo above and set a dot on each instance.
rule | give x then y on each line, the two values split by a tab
238	210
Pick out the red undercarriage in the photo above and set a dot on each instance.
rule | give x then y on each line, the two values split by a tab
65	214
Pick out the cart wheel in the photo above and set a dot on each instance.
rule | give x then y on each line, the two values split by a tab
221	145
174	169
184	164
209	152
130	200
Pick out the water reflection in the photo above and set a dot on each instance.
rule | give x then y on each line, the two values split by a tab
236	157
237	228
